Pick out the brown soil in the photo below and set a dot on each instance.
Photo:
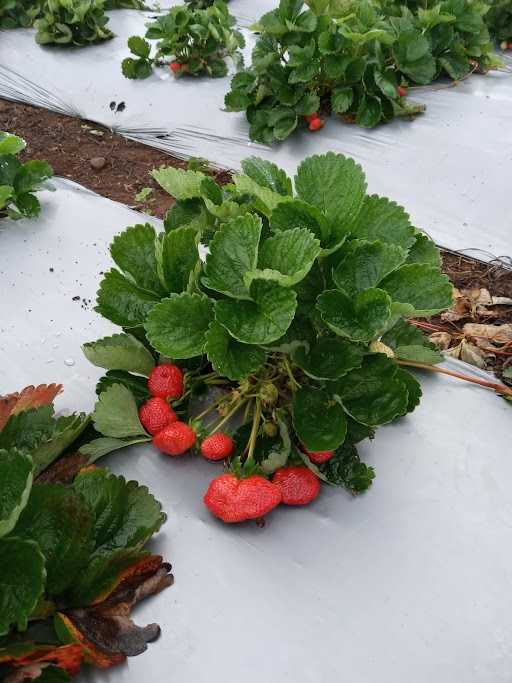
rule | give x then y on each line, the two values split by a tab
70	144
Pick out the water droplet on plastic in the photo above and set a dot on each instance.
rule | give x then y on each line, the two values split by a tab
50	360
69	361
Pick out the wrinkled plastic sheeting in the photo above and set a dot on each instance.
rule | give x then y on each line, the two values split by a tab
409	581
450	167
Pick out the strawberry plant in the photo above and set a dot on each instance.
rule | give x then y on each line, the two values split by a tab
19	181
354	59
72	22
18	13
72	546
196	41
499	20
292	332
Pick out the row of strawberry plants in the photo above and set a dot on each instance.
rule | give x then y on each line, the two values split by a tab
19	181
355	59
197	38
291	333
73	558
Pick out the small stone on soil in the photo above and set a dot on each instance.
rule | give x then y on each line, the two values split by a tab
98	163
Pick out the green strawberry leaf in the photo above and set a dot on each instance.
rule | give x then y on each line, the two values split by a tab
268	175
297	214
23	576
373	394
28	429
329	359
286	258
178	183
233	252
125	514
409	343
262	320
101	574
229	357
122	302
16	477
179	258
413	389
134	253
346	469
177	326
66	431
384	220
341	99
120	352
359	318
336	185
115	413
421	286
424	251
319	421
363	264
97	448
60	522
53	674
11	144
267	199
137	385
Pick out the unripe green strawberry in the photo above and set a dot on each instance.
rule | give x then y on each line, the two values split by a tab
298	485
166	381
217	446
175	439
156	414
237	500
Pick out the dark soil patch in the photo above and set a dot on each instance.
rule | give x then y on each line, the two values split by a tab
118	168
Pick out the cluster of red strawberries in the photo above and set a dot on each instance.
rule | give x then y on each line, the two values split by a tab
228	497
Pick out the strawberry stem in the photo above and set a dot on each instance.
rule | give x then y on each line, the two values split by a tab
254	432
229	414
499	388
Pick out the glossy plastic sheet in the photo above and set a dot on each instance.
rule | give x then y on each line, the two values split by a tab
449	167
409	582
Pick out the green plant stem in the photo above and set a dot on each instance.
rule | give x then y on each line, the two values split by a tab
289	372
499	388
210	407
229	414
254	431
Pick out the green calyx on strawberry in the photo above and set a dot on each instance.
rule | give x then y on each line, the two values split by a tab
175	439
156	414
217	446
237	500
298	485
166	381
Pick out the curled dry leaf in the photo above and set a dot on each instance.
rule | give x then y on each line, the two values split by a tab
442	340
30	664
469	353
29	397
474	303
105	630
497	334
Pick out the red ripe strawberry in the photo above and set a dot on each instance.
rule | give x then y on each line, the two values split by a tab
166	381
175	67
316	124
402	92
217	446
311	117
156	414
236	500
318	457
175	439
298	485
509	46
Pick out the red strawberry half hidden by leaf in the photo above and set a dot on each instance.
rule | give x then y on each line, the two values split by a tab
319	457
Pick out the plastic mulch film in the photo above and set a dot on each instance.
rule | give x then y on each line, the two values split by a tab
450	166
409	581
